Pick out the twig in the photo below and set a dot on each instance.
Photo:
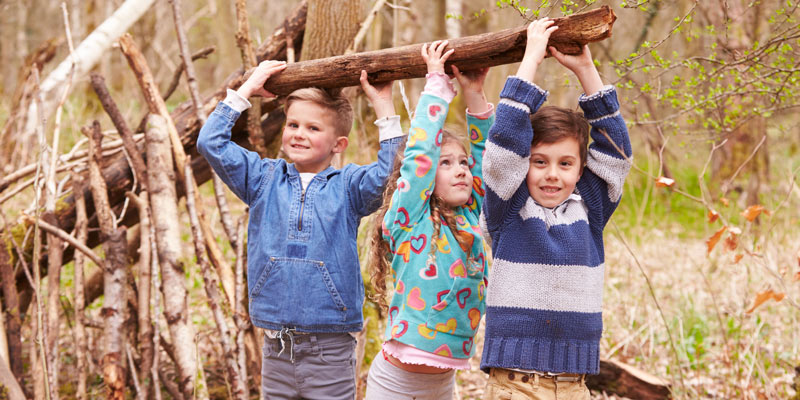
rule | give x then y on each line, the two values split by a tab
727	184
156	304
69	239
40	335
139	393
254	133
81	233
239	316
212	288
655	300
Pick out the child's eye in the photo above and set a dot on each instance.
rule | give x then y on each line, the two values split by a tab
444	162
538	162
314	128
292	125
566	163
464	163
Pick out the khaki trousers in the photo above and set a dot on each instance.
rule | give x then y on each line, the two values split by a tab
505	384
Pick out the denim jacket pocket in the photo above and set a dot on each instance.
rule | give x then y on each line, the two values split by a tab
300	291
458	310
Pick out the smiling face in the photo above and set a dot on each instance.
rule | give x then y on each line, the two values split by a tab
554	171
453	178
309	137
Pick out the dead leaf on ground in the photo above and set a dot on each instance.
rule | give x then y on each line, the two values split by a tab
737	258
752	212
663	181
712	241
732	241
713	215
764	296
724	200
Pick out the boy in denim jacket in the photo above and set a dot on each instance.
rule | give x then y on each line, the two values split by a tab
303	276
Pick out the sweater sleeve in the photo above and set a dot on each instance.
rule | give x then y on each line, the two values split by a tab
508	150
366	183
608	160
478	128
242	170
410	201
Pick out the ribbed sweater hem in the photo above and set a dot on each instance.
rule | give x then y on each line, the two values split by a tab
541	354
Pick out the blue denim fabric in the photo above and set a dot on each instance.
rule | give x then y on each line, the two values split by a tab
302	260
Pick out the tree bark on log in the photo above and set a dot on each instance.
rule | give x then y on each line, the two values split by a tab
79	295
471	52
627	381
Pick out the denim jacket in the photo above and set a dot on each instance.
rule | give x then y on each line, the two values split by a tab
302	261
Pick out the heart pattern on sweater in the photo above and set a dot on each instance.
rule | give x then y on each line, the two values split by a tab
462	296
426	332
414	299
457	269
450	326
399	329
443	350
418	243
429	273
474	315
467	347
423	163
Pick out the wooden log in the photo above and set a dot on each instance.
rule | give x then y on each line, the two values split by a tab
471	52
627	381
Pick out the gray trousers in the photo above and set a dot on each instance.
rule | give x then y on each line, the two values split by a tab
315	366
387	382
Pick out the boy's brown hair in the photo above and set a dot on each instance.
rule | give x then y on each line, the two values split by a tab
552	124
335	101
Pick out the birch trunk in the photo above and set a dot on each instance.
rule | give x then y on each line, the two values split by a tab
164	205
87	55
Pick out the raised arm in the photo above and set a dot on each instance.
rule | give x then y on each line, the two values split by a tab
240	169
480	117
366	183
507	157
609	156
410	201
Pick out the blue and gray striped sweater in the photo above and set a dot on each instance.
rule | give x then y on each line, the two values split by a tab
544	300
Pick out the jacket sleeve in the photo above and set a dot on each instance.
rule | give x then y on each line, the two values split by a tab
411	199
478	129
242	170
366	183
608	160
508	149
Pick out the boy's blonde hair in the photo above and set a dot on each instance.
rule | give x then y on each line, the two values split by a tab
334	101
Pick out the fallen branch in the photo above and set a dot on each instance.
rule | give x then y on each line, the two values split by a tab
472	52
53	230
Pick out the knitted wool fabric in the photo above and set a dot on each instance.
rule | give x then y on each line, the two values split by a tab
544	300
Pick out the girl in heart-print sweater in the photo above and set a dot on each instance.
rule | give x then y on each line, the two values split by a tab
427	236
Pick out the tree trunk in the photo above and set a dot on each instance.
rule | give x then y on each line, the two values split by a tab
472	52
324	18
164	205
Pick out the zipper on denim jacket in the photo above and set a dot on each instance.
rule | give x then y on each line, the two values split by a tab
302	205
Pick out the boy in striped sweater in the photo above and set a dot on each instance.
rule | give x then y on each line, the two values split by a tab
547	202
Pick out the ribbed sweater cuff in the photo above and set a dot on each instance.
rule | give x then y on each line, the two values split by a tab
600	104
525	92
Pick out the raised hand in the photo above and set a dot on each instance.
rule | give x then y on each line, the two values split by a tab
380	95
254	85
471	83
583	67
435	56
539	32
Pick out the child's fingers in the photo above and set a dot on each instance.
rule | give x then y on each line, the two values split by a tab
457	73
424	52
447	54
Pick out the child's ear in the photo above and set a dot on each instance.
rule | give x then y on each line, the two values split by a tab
341	144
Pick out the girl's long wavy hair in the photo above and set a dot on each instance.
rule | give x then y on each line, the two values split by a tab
380	259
